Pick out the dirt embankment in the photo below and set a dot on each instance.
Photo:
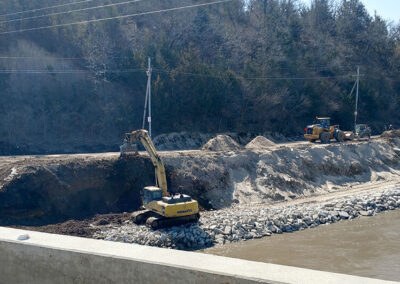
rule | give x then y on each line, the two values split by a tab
282	173
49	189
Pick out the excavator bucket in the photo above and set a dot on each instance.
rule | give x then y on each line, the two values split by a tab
127	149
130	146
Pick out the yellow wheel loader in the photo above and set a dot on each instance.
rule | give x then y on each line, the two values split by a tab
322	130
160	208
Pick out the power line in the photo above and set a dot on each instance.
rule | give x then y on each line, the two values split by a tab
317	69
117	17
45	8
71	11
297	78
80	71
344	68
250	78
382	79
58	58
76	71
307	67
41	58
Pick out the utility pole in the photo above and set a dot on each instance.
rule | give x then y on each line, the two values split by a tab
149	88
147	100
356	111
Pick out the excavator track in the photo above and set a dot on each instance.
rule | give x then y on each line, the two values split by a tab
141	217
158	222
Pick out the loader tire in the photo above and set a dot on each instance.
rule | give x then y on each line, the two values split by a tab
324	137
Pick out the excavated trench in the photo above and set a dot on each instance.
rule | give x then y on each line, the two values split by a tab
40	190
49	191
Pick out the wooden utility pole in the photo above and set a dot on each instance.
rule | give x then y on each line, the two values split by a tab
149	88
147	100
356	110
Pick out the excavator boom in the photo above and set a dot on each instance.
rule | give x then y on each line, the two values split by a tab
130	142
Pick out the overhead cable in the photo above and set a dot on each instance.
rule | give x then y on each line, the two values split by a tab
46	8
250	78
307	67
58	58
80	71
116	17
71	11
76	71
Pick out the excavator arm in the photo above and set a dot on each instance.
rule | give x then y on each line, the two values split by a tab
130	143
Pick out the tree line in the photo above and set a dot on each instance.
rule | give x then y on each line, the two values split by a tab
240	66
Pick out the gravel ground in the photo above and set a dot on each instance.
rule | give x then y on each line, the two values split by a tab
240	223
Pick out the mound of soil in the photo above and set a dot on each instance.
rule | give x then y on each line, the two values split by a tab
221	143
81	228
260	142
391	134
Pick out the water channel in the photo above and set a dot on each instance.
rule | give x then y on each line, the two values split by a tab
367	246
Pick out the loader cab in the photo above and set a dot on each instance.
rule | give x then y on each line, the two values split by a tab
151	193
324	122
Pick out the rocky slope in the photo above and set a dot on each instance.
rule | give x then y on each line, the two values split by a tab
237	224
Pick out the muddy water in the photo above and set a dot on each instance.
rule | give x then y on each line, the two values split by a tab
368	246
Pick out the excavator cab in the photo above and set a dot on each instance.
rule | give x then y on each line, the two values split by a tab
151	193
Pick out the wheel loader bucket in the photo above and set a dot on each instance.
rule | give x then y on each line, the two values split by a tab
349	135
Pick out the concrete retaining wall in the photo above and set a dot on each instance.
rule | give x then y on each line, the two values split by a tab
50	258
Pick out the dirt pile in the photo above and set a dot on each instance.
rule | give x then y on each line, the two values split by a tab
82	228
391	134
260	142
221	143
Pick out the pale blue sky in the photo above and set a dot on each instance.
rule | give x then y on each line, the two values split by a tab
387	9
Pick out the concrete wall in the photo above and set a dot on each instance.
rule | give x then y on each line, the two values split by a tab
50	258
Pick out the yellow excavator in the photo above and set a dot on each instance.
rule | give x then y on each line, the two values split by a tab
160	208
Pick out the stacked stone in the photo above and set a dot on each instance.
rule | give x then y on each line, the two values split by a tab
237	224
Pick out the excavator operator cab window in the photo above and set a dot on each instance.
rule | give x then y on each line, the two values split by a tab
151	193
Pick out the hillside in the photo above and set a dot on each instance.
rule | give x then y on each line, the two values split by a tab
264	66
